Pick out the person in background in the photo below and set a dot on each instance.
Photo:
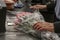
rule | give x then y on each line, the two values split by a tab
11	10
9	4
3	11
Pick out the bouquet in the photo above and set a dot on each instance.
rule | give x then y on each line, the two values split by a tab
26	22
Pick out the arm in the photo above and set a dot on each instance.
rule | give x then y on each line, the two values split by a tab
49	6
53	27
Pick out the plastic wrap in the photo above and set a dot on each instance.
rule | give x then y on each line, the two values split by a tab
27	20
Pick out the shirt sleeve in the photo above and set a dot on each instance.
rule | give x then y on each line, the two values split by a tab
57	9
57	27
51	6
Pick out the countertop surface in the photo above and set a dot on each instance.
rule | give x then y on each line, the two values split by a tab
16	36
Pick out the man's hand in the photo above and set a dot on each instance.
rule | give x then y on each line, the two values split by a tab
41	26
39	7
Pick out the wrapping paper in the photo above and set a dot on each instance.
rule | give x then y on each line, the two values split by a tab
26	22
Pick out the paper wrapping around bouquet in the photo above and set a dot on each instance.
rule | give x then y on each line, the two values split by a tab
27	20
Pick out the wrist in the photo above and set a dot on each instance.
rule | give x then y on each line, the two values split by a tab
52	27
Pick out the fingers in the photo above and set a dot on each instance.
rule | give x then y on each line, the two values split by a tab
37	26
41	29
44	26
35	7
39	7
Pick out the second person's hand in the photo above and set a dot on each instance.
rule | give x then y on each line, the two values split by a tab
39	7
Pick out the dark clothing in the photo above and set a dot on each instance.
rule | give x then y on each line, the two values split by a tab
2	20
57	26
40	1
57	20
51	8
50	12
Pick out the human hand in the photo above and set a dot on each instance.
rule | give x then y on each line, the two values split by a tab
39	7
41	26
